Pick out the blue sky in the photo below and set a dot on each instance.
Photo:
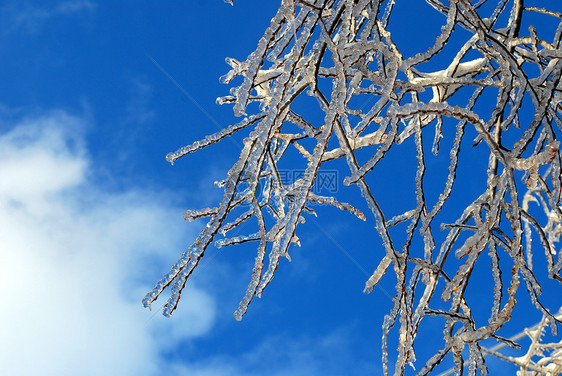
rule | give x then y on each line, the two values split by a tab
94	95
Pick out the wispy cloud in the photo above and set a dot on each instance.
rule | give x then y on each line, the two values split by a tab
75	6
138	110
28	17
72	259
327	354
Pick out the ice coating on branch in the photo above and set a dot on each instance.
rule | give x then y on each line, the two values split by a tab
378	103
211	139
191	215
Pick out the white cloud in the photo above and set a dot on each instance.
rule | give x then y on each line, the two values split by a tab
23	15
71	262
75	260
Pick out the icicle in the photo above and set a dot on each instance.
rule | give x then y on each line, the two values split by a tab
377	274
438	136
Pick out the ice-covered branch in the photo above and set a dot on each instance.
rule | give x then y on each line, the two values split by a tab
501	87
